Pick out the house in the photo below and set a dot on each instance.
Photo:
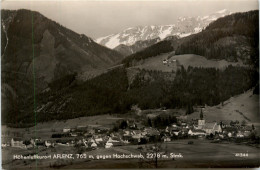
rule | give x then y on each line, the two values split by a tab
15	142
196	132
225	123
167	129
230	134
4	145
172	130
126	132
247	129
183	124
245	132
65	130
174	125
165	61
175	131
93	145
98	140
48	143
112	141
240	134
108	145
73	134
229	131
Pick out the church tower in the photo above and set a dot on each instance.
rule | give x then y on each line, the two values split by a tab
201	121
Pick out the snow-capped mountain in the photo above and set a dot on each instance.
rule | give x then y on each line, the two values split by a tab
184	26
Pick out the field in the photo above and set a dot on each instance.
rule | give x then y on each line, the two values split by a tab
199	61
202	153
156	63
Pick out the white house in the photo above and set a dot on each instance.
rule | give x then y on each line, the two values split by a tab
108	145
196	132
98	140
65	130
93	145
240	134
17	143
165	61
47	143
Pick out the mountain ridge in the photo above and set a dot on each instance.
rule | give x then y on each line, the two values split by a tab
183	27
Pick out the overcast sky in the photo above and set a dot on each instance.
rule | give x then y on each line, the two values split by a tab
101	18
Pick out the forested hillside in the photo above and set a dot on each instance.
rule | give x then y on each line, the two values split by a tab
112	93
234	37
154	50
36	51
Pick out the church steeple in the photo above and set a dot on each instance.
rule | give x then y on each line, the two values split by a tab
201	115
201	121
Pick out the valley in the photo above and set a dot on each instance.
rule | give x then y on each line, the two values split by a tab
189	89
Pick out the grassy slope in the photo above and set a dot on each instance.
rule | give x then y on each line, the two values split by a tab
241	107
156	63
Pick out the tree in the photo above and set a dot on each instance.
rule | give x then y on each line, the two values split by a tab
123	125
149	122
189	109
152	155
243	123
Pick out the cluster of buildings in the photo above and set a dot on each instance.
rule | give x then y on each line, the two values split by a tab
201	128
101	137
166	61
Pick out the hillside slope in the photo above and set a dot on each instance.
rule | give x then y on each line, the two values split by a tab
119	89
185	60
240	107
37	51
234	37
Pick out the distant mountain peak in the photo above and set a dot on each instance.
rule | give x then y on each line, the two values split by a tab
184	26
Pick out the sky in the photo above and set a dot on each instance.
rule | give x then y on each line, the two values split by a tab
101	18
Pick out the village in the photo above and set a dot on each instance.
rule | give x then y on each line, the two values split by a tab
132	132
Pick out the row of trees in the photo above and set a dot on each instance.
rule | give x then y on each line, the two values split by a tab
161	121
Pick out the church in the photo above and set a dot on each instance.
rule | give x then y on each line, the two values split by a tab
209	128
